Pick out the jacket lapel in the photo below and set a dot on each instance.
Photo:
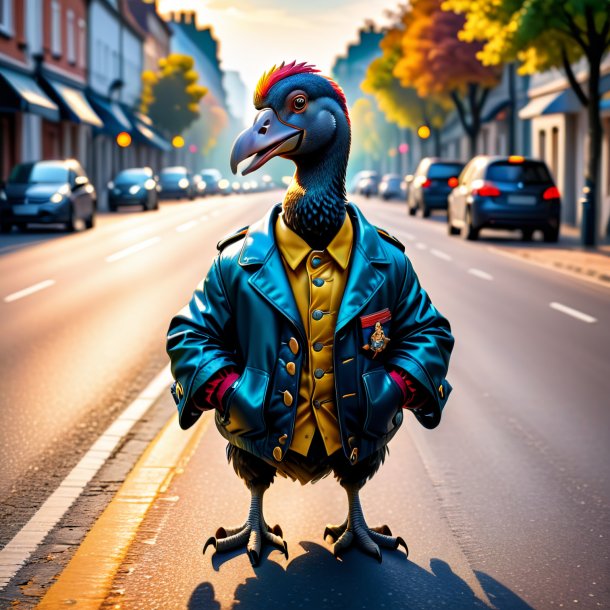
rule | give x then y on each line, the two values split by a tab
269	280
364	278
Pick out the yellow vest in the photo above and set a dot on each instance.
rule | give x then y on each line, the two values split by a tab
317	279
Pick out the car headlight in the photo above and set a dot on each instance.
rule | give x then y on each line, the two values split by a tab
183	183
150	184
57	197
110	185
135	189
201	185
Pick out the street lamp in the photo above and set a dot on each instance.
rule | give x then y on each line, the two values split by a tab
178	142
423	132
123	139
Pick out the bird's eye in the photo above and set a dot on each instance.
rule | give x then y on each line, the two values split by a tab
299	103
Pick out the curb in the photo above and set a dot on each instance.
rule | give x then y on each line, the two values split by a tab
87	579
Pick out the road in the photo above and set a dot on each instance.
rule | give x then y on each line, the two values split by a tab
506	503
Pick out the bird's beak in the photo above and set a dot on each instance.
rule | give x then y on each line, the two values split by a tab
268	137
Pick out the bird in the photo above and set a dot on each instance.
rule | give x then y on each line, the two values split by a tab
303	116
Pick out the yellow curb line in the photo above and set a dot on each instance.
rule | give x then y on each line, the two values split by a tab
579	276
87	579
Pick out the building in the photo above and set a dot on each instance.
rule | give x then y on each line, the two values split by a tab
158	33
559	136
238	98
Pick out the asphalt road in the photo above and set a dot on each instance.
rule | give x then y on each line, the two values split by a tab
505	503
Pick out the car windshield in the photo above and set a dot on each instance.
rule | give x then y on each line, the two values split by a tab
36	173
173	173
529	172
132	176
444	171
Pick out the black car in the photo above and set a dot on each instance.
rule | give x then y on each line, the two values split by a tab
47	192
176	183
505	193
135	186
432	183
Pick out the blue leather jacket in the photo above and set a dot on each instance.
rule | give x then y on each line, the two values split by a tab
244	315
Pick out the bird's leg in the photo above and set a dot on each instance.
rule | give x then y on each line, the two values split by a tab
252	534
355	531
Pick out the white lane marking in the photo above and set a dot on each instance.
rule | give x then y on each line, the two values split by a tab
481	274
17	552
186	226
132	249
579	315
28	291
440	254
420	246
409	236
204	218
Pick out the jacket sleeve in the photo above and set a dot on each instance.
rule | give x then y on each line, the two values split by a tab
200	342
421	345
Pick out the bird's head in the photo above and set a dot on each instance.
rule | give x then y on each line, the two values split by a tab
302	116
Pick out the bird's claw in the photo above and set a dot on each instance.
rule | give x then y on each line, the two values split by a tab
367	539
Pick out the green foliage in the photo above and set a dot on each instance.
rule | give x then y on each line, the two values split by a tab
171	96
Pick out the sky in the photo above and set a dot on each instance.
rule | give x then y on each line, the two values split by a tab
254	35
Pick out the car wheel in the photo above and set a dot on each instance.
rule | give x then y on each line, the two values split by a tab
425	211
469	232
551	235
451	230
412	211
5	227
156	204
90	222
527	234
71	224
112	207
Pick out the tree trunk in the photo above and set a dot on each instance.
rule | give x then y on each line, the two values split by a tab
589	233
512	110
436	135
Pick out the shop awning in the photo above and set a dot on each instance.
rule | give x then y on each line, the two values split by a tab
491	113
20	93
145	133
73	104
112	115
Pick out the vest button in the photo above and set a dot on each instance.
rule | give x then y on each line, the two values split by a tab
293	344
317	346
316	261
277	454
287	398
319	373
317	314
316	404
318	282
291	368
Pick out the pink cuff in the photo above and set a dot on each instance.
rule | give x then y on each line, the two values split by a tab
413	398
210	395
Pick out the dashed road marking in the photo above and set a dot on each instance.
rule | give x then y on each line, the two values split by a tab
132	249
186	226
440	254
579	315
409	236
483	275
28	291
16	553
420	246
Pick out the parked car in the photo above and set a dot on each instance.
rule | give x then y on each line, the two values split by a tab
176	183
392	186
48	192
368	185
135	186
505	193
211	177
432	182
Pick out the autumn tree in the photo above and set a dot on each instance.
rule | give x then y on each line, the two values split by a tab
435	62
542	34
171	96
400	104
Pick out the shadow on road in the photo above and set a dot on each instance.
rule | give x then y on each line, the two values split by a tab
317	580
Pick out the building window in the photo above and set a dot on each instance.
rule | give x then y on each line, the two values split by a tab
555	150
542	144
6	17
82	43
71	36
56	28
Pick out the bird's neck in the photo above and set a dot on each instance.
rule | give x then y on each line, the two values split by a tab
314	204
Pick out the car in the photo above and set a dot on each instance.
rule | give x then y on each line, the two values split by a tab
176	183
211	177
368	185
48	192
134	186
392	187
512	192
432	182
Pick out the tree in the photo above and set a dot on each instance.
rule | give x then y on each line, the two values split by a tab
401	105
434	61
542	34
171	96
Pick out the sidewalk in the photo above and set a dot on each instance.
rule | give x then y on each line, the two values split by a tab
568	255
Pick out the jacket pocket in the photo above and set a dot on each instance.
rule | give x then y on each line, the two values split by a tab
244	413
383	401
